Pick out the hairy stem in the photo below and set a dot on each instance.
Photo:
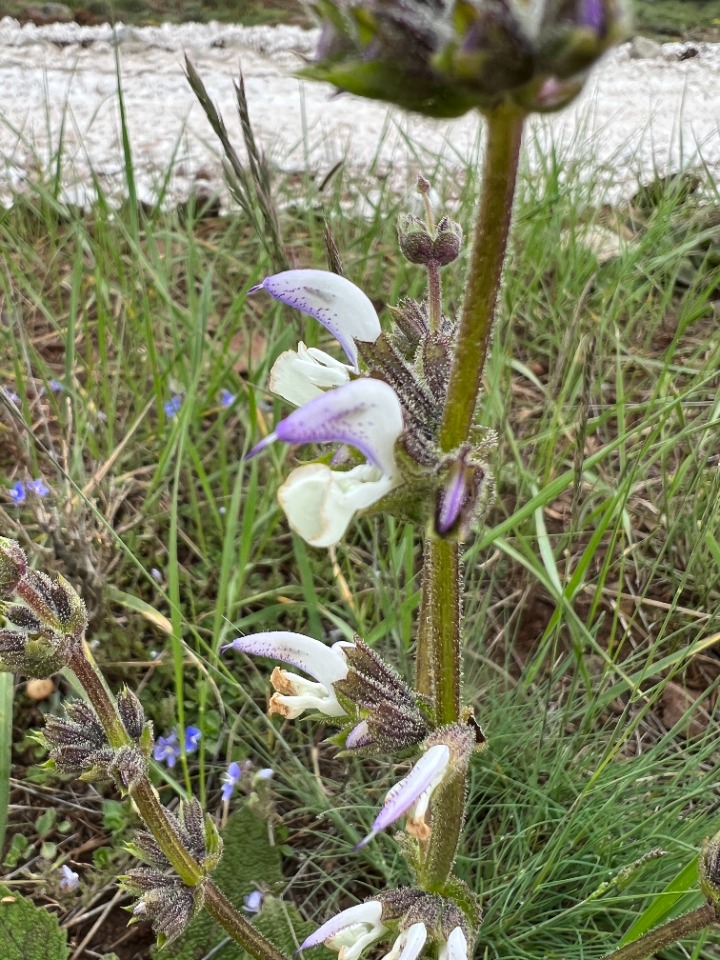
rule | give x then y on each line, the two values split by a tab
438	654
492	224
439	658
666	934
153	814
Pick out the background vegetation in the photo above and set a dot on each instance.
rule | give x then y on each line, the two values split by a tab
593	607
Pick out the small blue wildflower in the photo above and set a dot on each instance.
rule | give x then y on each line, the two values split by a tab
70	880
156	575
192	739
253	902
56	386
172	406
232	777
17	492
227	399
38	487
10	395
267	773
167	749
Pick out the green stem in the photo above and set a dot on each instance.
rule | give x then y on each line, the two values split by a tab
434	296
494	213
438	654
668	933
439	658
153	814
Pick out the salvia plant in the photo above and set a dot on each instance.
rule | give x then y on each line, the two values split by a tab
399	409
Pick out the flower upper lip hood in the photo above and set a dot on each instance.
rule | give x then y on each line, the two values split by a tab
365	414
296	694
412	794
341	307
350	931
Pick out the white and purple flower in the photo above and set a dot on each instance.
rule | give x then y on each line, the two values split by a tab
295	694
363	413
411	796
70	880
350	931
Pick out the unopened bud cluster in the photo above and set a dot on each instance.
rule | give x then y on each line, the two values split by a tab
164	899
80	746
45	620
445	57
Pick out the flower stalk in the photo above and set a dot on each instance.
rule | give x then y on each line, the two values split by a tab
150	809
500	167
439	656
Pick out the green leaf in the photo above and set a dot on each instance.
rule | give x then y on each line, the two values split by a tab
249	862
28	933
680	895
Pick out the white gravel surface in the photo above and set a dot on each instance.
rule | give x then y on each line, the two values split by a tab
637	117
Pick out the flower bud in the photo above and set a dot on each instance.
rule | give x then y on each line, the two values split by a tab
448	242
131	713
13	566
415	241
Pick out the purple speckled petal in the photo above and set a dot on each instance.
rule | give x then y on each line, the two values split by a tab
336	303
325	664
408	791
366	414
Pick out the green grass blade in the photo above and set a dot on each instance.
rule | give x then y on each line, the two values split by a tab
680	895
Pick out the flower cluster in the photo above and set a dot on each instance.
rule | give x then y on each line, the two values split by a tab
20	489
386	419
45	619
445	57
164	899
411	916
354	688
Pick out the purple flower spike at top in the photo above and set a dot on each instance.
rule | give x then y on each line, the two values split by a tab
414	790
366	414
350	931
336	303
